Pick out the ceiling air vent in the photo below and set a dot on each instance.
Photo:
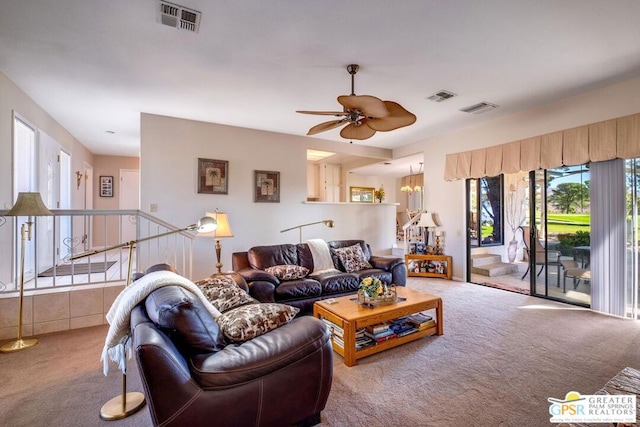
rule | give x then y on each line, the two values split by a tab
443	95
482	107
179	17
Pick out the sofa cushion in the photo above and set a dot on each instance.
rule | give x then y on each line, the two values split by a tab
288	271
352	258
333	283
223	292
185	320
261	257
249	321
294	289
385	276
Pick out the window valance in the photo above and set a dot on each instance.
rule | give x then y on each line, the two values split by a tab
610	139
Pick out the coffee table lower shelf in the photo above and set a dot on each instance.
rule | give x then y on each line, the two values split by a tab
350	316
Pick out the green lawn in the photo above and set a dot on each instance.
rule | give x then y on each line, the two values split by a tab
567	223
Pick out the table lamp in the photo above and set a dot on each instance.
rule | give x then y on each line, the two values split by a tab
27	204
223	230
426	221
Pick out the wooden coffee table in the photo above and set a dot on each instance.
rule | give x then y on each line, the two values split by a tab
351	316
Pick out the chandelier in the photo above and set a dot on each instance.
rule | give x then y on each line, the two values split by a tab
412	183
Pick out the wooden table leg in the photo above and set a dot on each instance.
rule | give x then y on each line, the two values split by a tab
439	318
350	344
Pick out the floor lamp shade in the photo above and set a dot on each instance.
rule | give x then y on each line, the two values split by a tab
27	204
223	230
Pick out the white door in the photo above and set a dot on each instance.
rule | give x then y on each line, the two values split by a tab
64	222
24	180
129	199
48	184
87	237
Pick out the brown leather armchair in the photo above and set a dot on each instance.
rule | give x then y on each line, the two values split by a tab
193	377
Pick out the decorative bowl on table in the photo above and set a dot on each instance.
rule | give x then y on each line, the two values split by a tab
374	292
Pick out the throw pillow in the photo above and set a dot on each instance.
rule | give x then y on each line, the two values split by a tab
249	321
223	292
352	258
288	272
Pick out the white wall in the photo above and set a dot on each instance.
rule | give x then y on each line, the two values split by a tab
170	149
13	99
448	198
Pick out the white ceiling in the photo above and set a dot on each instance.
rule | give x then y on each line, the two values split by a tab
96	65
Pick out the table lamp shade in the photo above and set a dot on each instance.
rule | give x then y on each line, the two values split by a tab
224	229
426	220
29	204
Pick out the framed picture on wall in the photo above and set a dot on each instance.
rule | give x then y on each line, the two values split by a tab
361	194
266	186
106	186
213	176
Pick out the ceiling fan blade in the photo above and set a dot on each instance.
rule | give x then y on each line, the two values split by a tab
351	131
368	105
325	113
398	117
326	126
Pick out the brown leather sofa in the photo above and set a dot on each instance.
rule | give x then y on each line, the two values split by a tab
303	292
193	377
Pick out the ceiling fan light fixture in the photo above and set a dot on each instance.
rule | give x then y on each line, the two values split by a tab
364	115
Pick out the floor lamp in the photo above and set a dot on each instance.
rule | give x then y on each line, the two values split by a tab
129	403
223	230
27	204
328	222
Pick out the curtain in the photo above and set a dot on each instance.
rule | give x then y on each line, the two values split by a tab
608	241
595	142
551	150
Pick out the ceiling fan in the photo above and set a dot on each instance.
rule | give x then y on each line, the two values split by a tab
363	115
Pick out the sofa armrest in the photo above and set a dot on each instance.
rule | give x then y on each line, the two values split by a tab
385	263
253	275
262	291
263	355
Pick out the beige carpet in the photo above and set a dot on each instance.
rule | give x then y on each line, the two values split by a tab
502	355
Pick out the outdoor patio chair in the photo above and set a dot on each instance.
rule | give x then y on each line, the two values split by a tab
543	257
573	270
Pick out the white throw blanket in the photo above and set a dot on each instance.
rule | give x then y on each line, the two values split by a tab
322	262
118	340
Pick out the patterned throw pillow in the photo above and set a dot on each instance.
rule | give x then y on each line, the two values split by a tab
288	271
249	321
352	258
223	292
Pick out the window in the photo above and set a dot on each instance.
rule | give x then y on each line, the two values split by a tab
485	211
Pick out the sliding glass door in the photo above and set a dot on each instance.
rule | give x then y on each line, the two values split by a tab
559	234
632	270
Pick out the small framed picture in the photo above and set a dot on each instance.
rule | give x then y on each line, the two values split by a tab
361	194
266	186
106	186
213	176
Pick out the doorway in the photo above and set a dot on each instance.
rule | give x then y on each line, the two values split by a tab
129	199
560	229
546	250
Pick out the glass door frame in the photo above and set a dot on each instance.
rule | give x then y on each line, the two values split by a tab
534	224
